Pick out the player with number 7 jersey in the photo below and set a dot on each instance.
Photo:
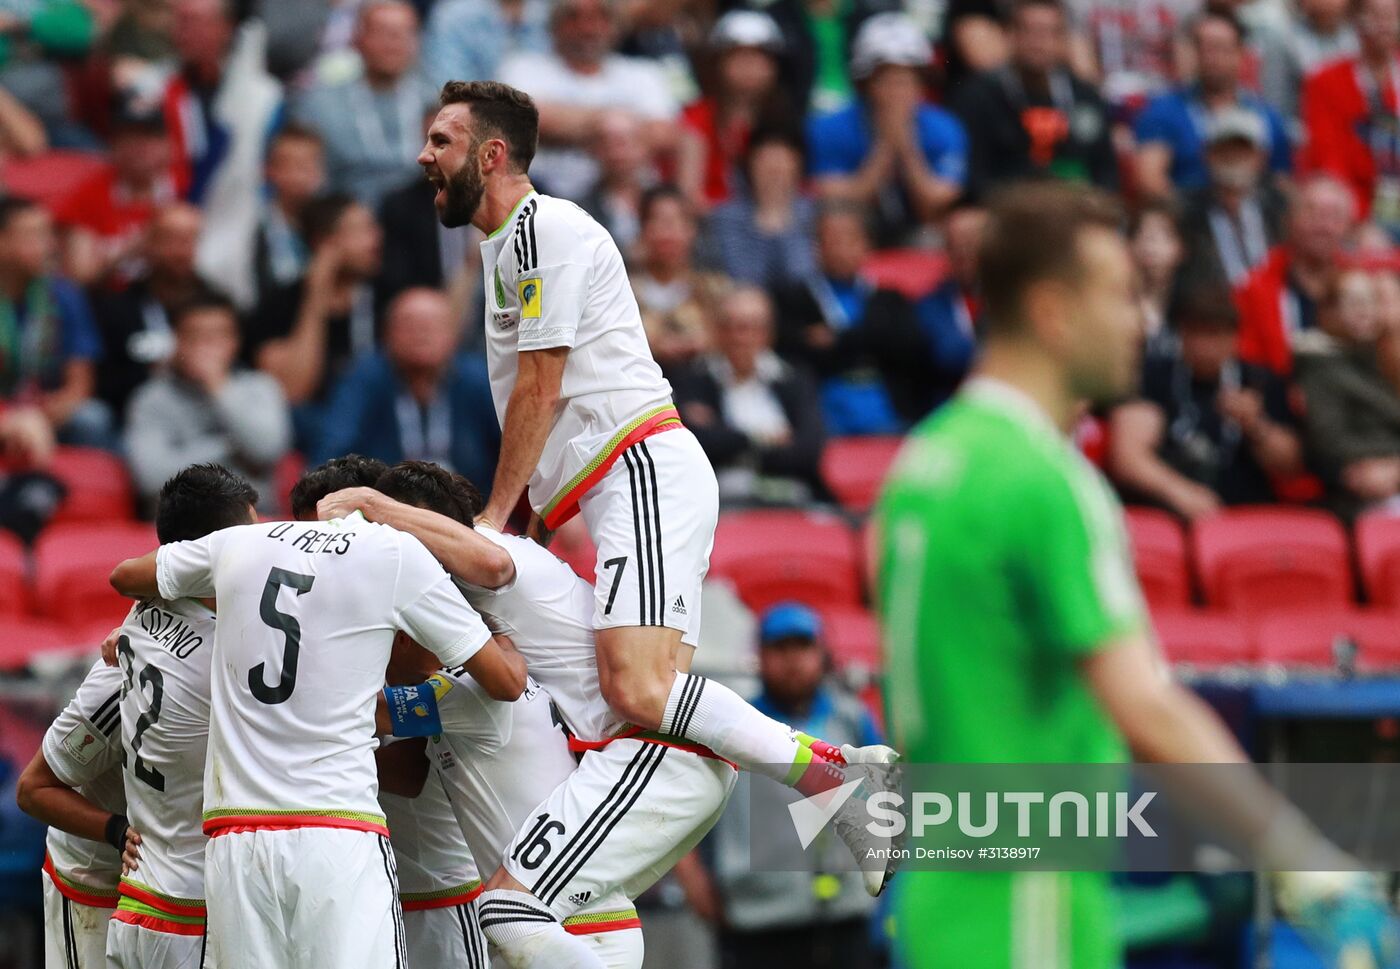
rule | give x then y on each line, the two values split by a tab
299	865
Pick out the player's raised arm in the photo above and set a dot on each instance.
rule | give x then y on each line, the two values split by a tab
465	554
432	611
529	417
136	578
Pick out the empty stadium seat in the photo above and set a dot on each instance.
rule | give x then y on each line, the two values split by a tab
852	637
1378	548
99	488
1203	638
14	576
771	556
855	467
1257	559
22	637
1159	555
1310	638
71	566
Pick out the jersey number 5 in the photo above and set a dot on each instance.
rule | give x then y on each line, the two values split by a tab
290	629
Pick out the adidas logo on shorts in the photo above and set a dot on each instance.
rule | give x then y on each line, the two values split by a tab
580	898
678	607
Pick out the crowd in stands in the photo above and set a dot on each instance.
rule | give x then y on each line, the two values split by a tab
215	243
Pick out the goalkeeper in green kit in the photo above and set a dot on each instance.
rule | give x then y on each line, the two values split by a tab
1014	629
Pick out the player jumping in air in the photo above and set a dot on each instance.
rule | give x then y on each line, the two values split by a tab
1014	628
588	425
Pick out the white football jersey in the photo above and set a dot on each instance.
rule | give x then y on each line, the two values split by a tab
547	612
555	278
307	615
434	864
498	761
164	651
83	749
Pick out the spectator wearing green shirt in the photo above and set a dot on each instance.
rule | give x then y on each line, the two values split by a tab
1015	631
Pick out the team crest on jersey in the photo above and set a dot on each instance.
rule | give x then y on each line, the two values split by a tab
531	298
500	290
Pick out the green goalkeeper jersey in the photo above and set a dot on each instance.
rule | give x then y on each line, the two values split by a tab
1003	563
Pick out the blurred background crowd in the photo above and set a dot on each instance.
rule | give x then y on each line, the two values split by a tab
216	245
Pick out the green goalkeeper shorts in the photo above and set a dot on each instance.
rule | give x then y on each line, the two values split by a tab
1005	920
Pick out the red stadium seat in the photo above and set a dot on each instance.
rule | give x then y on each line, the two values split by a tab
1378	548
1203	638
14	576
71	566
855	467
284	477
1260	559
99	488
772	556
1159	554
22	638
1309	638
852	637
914	273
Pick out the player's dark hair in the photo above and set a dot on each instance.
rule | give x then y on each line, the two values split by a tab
323	214
201	499
12	207
337	474
205	300
1033	234
501	111
423	484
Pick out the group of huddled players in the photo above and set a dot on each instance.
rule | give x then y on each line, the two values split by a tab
387	732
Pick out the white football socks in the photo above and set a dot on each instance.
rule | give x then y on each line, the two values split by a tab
528	936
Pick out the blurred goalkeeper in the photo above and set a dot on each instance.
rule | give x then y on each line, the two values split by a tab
1015	631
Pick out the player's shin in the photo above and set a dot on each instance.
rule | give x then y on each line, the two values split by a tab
528	935
709	713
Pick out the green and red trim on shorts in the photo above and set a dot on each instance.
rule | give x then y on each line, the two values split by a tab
564	505
76	891
442	898
240	820
143	906
590	923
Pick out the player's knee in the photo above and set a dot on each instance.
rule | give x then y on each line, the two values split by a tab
638	694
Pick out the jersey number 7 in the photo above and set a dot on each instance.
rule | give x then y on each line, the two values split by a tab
291	630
